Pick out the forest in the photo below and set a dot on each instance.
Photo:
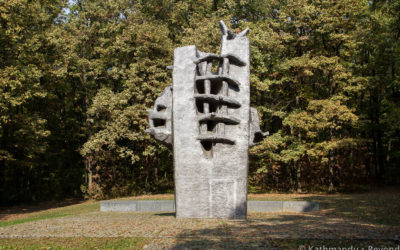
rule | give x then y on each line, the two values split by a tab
76	79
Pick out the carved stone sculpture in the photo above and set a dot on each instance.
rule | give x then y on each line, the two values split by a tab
207	118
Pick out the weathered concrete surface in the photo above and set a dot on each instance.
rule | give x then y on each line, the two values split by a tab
256	135
169	206
210	177
138	206
212	128
265	206
300	206
160	117
283	206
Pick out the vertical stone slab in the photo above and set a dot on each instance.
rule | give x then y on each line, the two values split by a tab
190	166
210	128
211	184
231	161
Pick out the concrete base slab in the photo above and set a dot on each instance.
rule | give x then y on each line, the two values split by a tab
282	206
169	206
137	206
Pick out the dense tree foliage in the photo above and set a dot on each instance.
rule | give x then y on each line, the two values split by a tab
76	78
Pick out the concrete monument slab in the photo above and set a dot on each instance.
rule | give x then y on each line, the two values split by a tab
169	206
207	118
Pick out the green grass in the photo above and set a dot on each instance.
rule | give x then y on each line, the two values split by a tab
380	207
74	243
55	213
29	219
377	207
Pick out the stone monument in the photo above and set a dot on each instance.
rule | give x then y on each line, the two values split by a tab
207	118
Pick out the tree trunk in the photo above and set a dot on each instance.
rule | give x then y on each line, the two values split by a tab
298	177
88	163
330	166
89	179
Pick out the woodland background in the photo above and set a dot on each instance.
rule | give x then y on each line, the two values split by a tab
76	78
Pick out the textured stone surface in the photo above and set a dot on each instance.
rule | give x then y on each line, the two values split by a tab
160	117
300	206
169	206
212	127
265	206
138	206
256	135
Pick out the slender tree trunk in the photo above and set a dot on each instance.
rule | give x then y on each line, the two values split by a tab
289	168
388	151
368	166
380	151
88	160
330	165
156	172
298	176
89	179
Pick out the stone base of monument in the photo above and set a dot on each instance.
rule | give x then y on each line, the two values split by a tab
169	206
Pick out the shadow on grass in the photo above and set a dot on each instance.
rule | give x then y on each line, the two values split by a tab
380	207
344	220
288	232
20	211
264	243
166	214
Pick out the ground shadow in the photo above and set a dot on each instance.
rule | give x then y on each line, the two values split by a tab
19	210
166	214
344	220
379	207
287	232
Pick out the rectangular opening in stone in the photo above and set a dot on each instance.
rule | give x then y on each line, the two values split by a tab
207	146
212	107
215	87
161	108
215	66
200	106
199	87
198	71
211	126
159	122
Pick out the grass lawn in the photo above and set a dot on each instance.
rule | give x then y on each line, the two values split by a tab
341	216
381	206
74	243
19	215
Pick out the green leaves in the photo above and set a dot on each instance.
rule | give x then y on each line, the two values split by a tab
25	58
75	85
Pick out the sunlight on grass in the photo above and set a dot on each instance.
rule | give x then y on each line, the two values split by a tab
29	219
